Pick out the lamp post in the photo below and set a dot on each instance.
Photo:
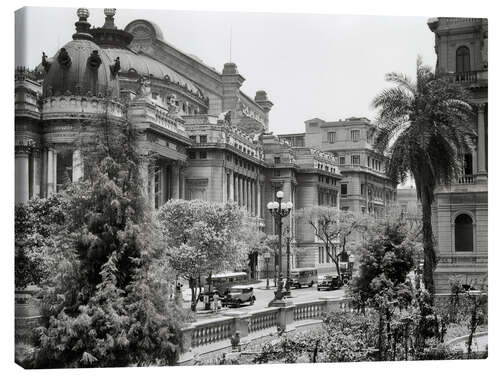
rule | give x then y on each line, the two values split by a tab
279	210
287	284
267	256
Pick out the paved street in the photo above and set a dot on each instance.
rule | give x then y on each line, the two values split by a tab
263	297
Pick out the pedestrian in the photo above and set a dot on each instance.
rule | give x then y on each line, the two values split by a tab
216	302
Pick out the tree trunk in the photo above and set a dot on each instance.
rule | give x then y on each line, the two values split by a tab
429	253
194	297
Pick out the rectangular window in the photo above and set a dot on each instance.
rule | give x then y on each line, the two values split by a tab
331	137
277	160
362	189
355	135
203	139
355	159
342	160
193	138
203	154
343	189
192	155
277	173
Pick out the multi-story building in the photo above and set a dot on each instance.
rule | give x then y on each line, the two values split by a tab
460	211
209	140
407	200
364	186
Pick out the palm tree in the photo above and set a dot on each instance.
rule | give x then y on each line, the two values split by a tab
424	129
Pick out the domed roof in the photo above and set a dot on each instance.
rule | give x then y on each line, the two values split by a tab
81	67
145	65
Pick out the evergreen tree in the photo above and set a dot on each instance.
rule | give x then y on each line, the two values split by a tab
107	301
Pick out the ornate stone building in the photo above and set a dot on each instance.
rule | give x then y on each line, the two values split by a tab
460	212
211	141
364	186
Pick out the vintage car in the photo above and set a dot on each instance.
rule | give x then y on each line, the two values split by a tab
329	282
237	295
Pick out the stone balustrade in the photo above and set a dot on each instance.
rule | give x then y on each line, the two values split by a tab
264	319
215	334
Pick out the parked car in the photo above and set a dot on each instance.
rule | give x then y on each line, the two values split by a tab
329	282
238	295
303	276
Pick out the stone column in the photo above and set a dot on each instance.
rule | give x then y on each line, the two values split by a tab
231	186
22	174
145	179
35	172
54	170
175	181
50	172
151	186
240	191
44	172
224	185
482	175
235	178
259	200
77	166
251	198
182	182
247	193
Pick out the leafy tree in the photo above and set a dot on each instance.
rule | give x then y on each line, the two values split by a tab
424	126
202	238
36	222
334	228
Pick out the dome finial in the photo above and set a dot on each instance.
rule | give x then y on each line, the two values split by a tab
82	26
109	22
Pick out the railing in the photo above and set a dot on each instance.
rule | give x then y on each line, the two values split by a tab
473	76
212	332
264	319
309	310
215	334
466	179
212	335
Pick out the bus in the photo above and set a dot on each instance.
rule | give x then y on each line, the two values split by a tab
222	282
307	276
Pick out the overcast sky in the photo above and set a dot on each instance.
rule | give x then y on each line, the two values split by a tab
326	66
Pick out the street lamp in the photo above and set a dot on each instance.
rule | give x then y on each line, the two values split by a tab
288	281
279	210
267	256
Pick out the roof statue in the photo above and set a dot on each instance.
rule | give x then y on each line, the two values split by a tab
144	90
226	117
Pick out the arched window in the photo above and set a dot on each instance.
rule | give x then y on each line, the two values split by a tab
464	236
463	59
